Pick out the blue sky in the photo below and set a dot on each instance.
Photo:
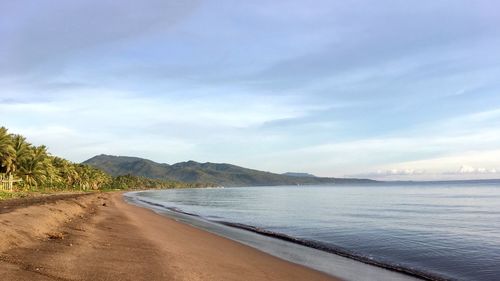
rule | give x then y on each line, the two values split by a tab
392	90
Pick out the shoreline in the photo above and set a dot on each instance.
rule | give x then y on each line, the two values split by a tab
101	237
341	266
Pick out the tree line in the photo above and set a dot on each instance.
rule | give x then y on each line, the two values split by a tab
39	170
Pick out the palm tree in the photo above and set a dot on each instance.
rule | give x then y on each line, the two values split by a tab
6	151
40	153
64	173
21	151
33	172
97	178
51	173
33	169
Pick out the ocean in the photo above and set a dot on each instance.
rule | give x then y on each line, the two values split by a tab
437	231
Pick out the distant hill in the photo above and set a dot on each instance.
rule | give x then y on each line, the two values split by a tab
191	171
292	174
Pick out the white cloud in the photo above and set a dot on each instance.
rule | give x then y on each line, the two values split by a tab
79	123
465	169
400	172
465	172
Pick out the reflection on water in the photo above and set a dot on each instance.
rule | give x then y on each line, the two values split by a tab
452	230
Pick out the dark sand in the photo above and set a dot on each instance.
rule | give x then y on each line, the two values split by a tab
78	238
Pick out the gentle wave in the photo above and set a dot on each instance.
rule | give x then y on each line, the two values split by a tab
428	230
332	249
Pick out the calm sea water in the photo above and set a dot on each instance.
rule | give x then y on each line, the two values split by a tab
448	230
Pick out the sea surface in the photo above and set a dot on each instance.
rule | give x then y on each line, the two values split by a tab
438	230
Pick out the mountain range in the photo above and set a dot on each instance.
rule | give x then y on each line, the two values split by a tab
213	173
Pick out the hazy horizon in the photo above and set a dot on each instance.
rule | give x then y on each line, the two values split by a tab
398	90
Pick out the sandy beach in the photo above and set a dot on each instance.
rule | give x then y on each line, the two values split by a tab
100	237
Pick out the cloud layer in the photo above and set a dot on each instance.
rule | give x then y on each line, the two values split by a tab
327	87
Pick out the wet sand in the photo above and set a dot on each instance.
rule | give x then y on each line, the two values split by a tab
100	237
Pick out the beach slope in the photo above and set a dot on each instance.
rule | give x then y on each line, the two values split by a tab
100	237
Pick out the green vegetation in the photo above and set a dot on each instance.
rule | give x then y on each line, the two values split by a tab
136	182
10	195
35	170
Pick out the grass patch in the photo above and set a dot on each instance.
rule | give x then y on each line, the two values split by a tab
4	195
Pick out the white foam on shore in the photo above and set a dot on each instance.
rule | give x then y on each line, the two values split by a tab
338	266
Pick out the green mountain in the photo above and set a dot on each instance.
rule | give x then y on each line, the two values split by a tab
191	171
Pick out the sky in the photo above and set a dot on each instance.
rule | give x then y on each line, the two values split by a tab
392	90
